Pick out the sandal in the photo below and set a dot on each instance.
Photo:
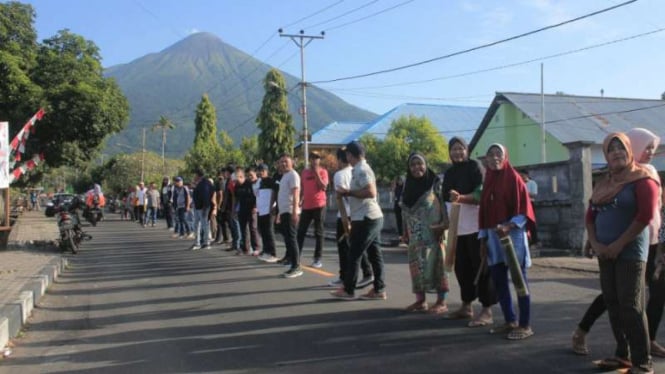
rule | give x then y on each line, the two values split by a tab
460	314
579	343
418	306
520	333
438	308
613	363
481	321
504	329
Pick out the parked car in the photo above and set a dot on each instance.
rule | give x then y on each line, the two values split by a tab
57	203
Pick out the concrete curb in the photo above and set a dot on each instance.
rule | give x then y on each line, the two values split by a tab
14	315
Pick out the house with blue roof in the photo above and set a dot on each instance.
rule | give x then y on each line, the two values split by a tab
450	120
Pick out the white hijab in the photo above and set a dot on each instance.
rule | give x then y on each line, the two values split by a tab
640	139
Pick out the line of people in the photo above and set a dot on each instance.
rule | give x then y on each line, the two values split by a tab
623	222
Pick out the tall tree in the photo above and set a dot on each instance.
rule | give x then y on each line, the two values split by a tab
64	75
274	120
164	125
249	147
83	106
206	152
18	51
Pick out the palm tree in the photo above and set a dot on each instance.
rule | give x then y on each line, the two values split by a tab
164	124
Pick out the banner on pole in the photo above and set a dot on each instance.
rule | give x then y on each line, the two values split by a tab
4	154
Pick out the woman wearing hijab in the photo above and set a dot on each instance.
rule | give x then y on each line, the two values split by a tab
425	222
505	208
461	185
622	205
643	144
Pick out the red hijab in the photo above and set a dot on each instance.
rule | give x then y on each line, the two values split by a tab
504	196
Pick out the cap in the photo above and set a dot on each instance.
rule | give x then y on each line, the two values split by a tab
178	179
355	148
262	167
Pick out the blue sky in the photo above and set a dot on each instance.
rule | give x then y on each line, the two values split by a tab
412	31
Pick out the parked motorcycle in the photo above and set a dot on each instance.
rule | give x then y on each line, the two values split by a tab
69	223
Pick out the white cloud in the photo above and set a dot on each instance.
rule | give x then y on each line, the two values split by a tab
193	31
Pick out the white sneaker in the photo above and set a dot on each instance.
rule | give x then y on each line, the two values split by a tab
195	247
317	264
269	259
191	236
336	283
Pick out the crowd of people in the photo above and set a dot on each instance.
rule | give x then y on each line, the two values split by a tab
495	226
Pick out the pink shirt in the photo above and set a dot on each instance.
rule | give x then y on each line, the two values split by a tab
313	196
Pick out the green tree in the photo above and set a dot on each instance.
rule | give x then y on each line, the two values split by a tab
230	153
18	51
124	170
277	134
249	148
64	75
164	125
206	152
407	134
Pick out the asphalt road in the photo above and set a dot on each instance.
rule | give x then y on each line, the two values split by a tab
136	301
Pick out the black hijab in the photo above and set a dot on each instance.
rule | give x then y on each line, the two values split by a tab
414	188
463	177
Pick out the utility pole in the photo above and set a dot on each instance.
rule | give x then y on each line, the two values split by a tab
302	41
143	156
543	156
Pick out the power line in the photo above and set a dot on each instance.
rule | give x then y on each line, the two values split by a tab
313	14
175	31
370	16
343	14
487	45
500	67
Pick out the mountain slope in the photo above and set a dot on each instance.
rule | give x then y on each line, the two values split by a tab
172	82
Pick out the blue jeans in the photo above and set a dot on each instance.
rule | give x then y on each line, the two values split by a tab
189	218
202	226
150	215
234	226
181	225
365	237
499	273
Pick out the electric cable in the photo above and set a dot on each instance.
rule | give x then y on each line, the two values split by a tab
482	46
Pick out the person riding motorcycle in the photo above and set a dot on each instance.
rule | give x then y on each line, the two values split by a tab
95	195
94	204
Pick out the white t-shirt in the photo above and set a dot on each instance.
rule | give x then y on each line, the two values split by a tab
263	197
363	176
141	195
289	181
342	179
468	218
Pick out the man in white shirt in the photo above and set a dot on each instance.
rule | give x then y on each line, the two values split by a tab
265	200
342	181
366	224
142	202
288	200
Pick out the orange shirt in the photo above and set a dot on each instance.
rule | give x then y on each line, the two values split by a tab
313	195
